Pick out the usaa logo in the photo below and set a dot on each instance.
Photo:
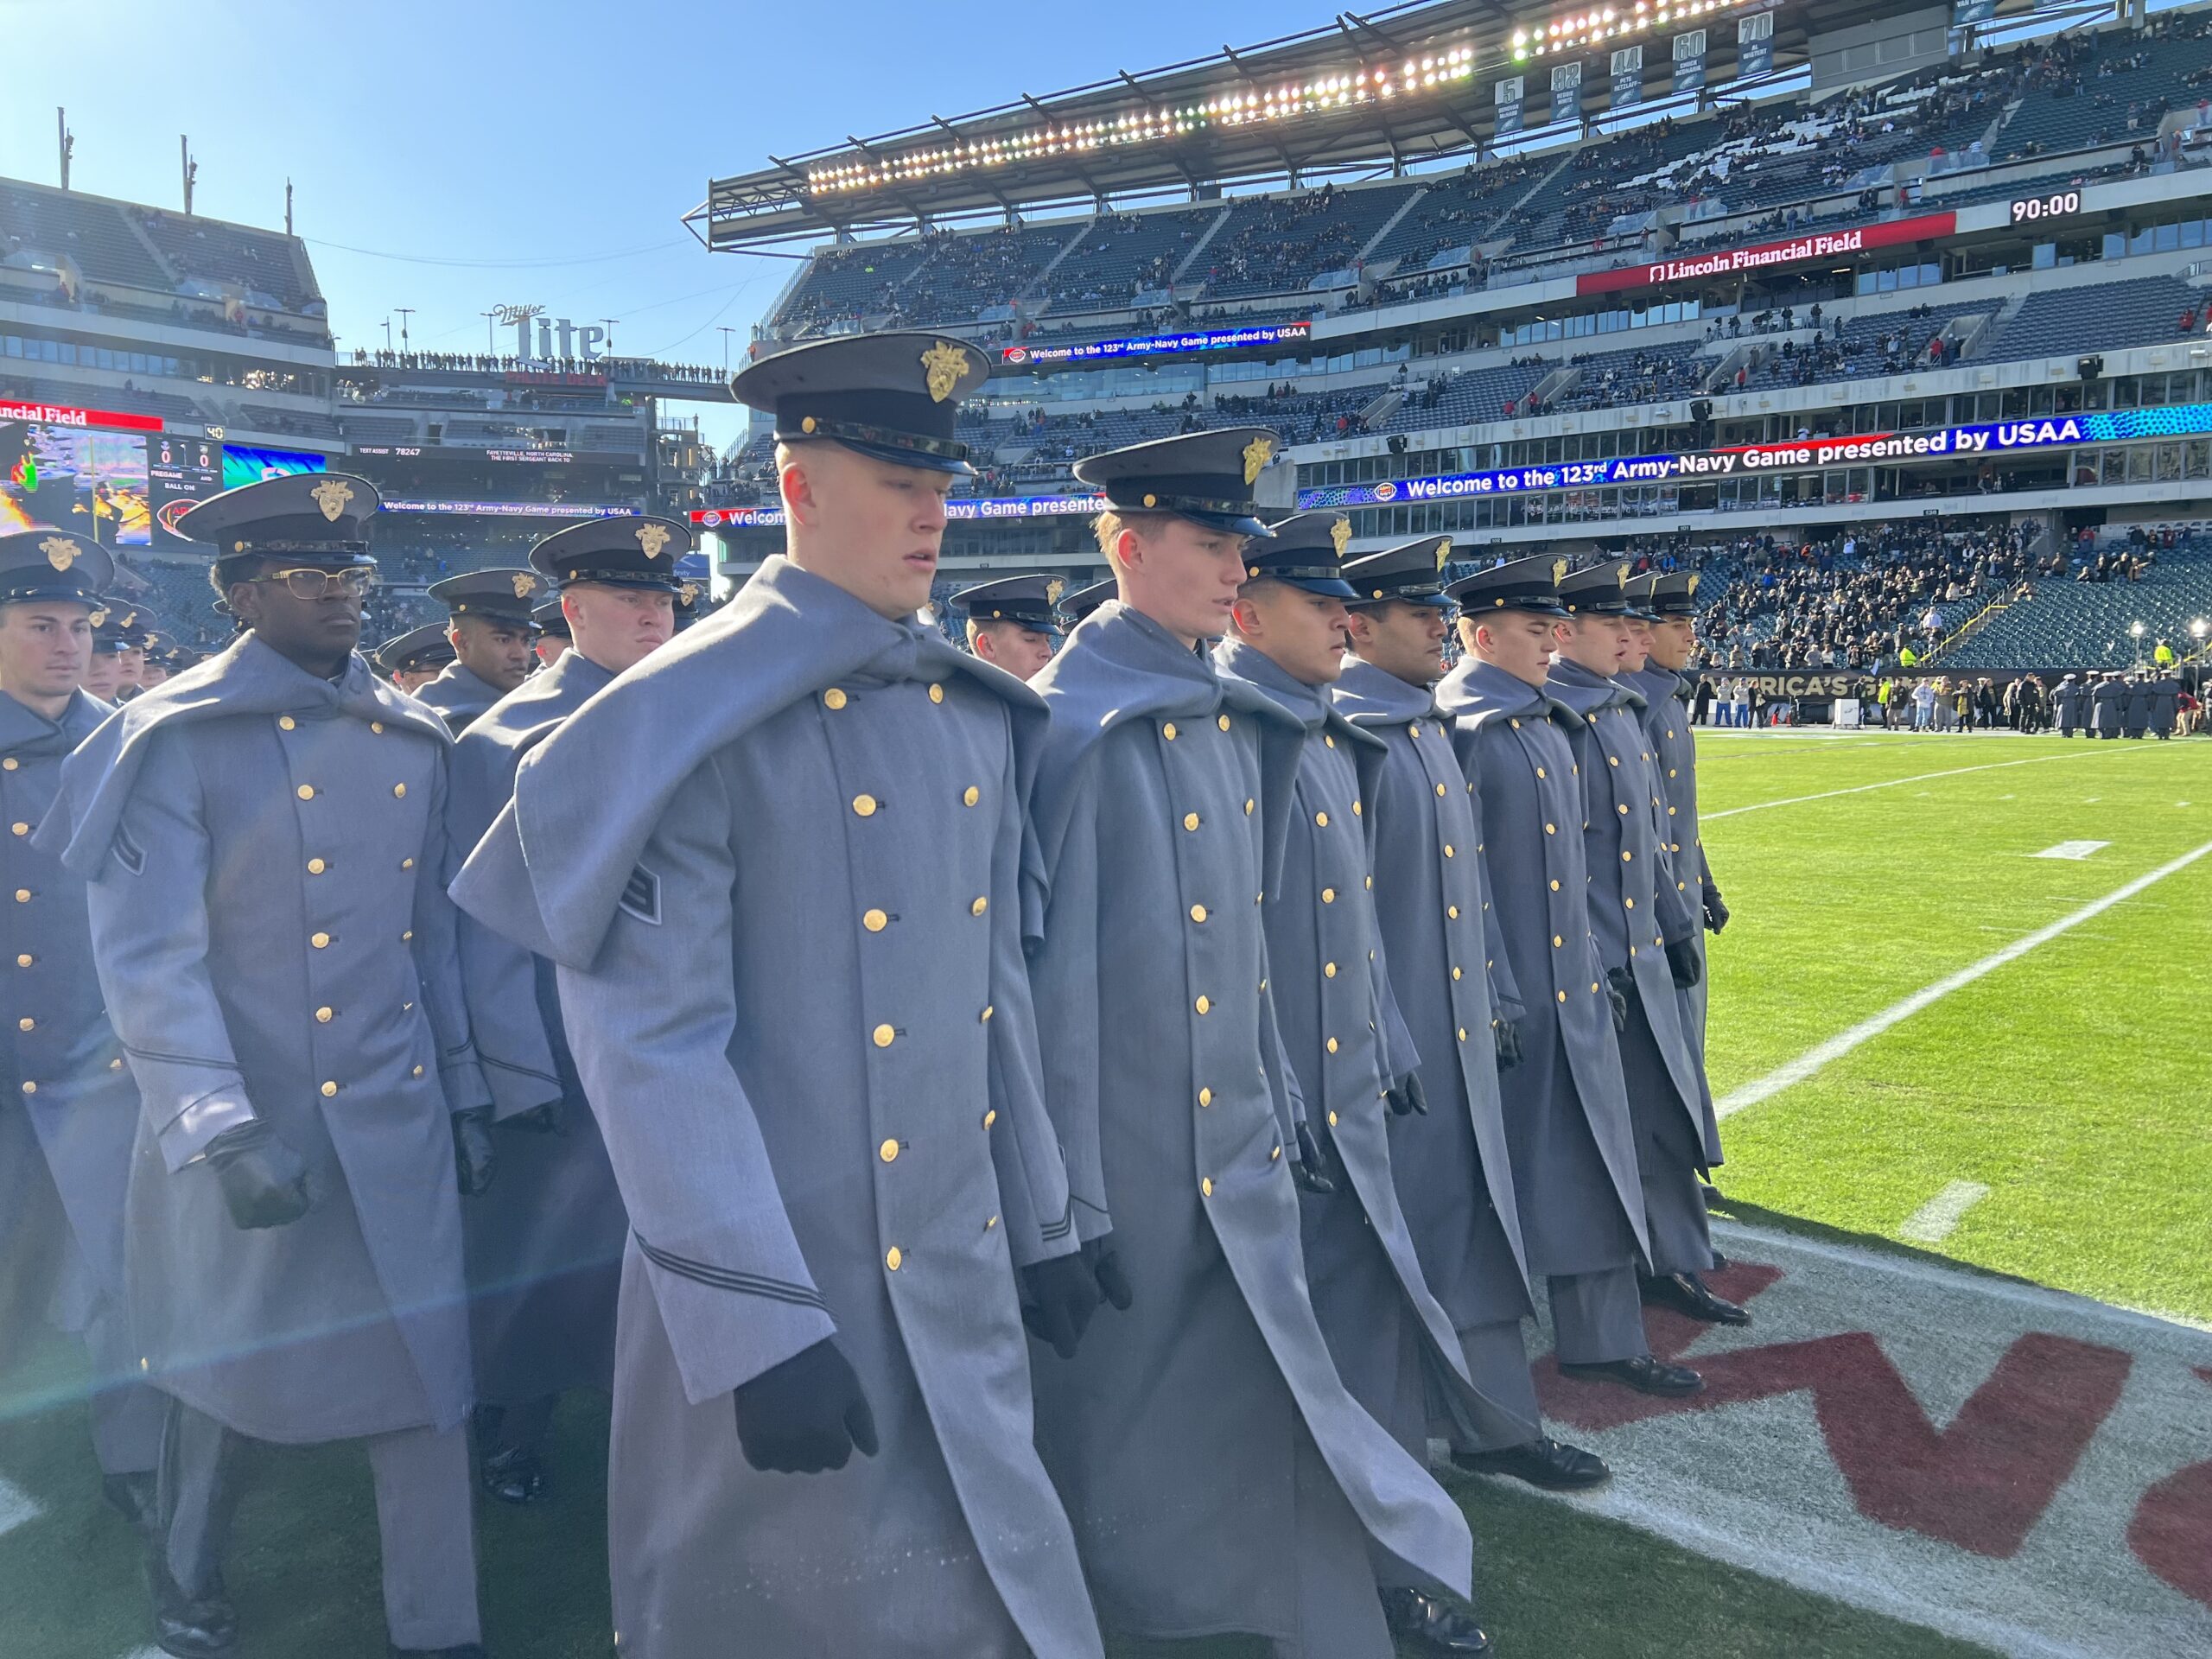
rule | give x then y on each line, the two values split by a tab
1386	491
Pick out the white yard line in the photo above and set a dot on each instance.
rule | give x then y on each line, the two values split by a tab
2075	849
1938	1219
1816	1059
18	1507
1891	782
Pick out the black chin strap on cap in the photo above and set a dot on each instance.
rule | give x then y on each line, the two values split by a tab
863	432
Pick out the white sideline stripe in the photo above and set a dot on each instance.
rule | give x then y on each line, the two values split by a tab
1892	783
1814	1059
18	1507
1938	1219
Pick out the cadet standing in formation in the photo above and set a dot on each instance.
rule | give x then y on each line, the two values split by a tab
2067	698
2107	701
1011	623
1350	1054
1074	606
412	660
545	1244
840	1201
1432	898
1219	1476
1572	1144
71	1114
265	843
553	637
490	636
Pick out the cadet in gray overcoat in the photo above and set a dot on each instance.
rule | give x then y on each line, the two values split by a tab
2165	701
2068	699
266	840
2107	702
1639	916
491	633
1354	1060
790	967
545	1244
1454	1176
1219	1476
1567	1114
70	1110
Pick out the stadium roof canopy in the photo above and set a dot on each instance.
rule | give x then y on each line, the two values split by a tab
1403	85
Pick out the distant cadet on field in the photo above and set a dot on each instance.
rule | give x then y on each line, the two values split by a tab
2135	716
1074	606
553	635
412	660
1011	623
491	633
2164	688
2108	705
2067	701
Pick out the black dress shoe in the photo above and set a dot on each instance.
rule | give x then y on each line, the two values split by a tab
1544	1463
512	1475
1688	1293
1432	1624
1718	1261
1643	1374
203	1627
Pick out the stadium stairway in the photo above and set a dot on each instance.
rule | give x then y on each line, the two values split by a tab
2074	624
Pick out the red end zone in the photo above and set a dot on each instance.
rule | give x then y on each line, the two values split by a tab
2005	1464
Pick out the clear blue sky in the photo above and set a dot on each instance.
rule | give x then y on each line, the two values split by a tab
484	151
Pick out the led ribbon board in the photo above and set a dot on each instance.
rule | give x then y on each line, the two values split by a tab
1206	340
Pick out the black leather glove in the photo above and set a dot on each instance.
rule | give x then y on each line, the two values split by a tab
1618	984
264	1182
551	1118
1507	1036
1407	1098
473	1160
1682	962
1310	1170
1106	1267
1716	913
806	1414
1058	1296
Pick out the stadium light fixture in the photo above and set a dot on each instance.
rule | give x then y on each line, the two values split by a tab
1608	25
1353	86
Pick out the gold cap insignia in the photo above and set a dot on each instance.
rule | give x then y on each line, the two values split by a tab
1559	571
1443	550
1620	575
60	552
525	585
1340	532
331	495
653	539
97	619
1053	589
1692	587
1257	455
945	364
689	592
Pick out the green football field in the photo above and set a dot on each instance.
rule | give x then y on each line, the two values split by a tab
1926	1037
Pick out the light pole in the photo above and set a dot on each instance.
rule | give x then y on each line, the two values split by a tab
608	337
2135	629
490	348
405	312
726	331
387	334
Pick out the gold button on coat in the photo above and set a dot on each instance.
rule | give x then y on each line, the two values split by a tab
10	764
328	1090
833	698
864	805
1332	1045
888	1152
20	829
1328	895
990	1118
1198	913
23	895
1449	851
1167	731
1247	808
981	905
321	941
1453	911
883	1036
892	1258
936	694
306	792
1206	1186
1202	1005
400	791
285	722
322	1016
1332	1120
1190	820
1206	1096
970	796
23	961
1321	819
1328	970
1221	720
316	867
26	1024
30	1087
874	920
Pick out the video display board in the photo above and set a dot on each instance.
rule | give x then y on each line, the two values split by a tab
180	472
72	477
241	465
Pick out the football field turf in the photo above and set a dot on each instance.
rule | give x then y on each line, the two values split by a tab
1933	1047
